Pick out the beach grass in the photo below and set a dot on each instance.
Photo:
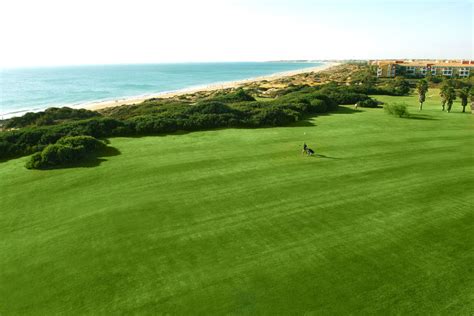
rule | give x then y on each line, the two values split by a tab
237	221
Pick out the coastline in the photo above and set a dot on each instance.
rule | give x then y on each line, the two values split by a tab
94	106
98	105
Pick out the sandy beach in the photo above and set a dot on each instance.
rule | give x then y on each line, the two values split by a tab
211	87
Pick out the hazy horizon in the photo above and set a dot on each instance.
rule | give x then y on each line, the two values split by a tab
58	33
216	62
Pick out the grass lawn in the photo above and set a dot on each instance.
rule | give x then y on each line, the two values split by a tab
238	221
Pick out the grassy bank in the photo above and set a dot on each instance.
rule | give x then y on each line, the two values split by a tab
238	221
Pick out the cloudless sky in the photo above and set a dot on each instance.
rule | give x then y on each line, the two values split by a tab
69	32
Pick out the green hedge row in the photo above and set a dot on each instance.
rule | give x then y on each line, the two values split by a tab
210	113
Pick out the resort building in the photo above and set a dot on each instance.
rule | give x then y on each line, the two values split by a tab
392	68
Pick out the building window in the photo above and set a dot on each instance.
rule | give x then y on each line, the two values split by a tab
464	72
433	71
379	72
423	70
410	70
447	71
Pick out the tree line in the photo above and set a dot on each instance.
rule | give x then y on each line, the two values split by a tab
449	91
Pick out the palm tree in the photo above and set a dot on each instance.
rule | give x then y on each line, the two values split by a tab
464	95
450	97
442	93
422	88
472	100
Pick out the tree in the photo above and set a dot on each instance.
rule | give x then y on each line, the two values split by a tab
472	99
442	93
422	88
429	75
400	86
463	93
450	96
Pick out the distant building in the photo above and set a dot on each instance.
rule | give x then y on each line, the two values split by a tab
392	68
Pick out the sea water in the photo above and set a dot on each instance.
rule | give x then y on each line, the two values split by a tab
34	89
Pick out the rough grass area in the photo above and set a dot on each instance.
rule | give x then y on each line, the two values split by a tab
379	221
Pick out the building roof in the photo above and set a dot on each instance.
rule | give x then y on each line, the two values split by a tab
428	63
458	64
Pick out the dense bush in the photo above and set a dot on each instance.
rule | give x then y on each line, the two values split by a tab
331	93
237	96
319	106
50	116
369	103
272	116
434	79
399	86
348	97
90	144
32	139
210	107
290	89
395	87
149	107
66	151
398	109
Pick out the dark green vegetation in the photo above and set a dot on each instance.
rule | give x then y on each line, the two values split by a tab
422	89
66	151
50	116
233	109
237	221
369	103
464	96
397	109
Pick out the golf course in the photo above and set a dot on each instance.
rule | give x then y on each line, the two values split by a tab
238	221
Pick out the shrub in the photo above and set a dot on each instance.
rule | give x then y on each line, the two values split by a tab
273	116
50	116
153	124
57	154
399	86
32	139
318	106
35	161
369	103
90	144
434	79
237	96
210	107
398	109
347	97
66	151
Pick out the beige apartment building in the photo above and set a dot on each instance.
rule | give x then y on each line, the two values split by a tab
455	68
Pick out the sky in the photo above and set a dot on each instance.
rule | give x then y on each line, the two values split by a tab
74	32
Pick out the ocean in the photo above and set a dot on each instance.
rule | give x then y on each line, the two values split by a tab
35	89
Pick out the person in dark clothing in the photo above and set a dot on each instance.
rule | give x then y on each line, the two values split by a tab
305	147
307	150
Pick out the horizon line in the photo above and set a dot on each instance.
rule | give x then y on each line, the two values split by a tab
222	62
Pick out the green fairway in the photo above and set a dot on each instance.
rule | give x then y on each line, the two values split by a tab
237	221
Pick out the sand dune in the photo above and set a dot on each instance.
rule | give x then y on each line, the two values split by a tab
211	87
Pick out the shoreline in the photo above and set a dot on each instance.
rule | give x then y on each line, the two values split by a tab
98	105
95	106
